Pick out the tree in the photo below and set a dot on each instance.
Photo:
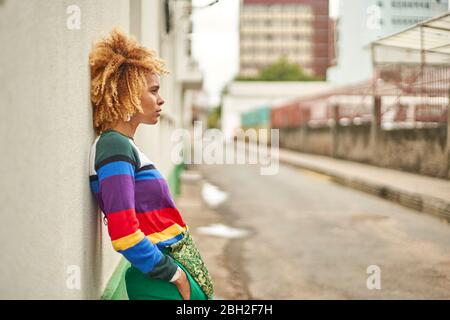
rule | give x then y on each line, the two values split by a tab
281	70
215	114
214	117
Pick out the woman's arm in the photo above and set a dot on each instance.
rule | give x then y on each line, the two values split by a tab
116	169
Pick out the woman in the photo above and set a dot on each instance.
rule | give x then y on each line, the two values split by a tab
142	219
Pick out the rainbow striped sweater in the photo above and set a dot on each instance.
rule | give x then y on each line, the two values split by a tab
142	218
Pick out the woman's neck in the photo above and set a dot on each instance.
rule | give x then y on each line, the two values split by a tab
126	128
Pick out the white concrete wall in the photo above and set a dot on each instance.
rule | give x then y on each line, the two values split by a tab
49	216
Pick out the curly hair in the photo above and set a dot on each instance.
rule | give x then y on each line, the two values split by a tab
118	69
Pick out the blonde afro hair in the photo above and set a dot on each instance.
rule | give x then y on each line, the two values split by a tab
118	69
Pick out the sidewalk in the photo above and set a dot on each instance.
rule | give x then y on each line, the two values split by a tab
426	194
217	252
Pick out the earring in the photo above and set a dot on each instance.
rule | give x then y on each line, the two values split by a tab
128	119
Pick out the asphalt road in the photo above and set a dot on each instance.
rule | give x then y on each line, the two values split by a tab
313	239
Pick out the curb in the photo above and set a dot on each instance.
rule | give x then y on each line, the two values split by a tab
431	205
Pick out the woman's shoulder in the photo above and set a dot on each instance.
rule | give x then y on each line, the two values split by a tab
113	139
113	144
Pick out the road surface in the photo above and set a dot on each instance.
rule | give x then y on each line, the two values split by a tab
313	239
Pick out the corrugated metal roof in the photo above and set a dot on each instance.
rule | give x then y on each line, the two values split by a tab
431	35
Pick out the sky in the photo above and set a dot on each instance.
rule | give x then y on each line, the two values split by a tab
215	43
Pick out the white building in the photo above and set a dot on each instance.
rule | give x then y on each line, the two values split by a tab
53	242
244	96
363	21
295	29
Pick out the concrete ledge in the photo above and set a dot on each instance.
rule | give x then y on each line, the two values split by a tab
415	200
116	289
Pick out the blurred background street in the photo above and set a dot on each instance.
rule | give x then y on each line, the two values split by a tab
310	238
351	97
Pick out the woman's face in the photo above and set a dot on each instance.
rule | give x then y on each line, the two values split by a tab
151	101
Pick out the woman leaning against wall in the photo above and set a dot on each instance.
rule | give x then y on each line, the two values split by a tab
142	219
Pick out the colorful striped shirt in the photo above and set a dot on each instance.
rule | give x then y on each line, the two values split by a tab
142	218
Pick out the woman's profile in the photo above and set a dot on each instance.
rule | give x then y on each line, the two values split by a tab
143	221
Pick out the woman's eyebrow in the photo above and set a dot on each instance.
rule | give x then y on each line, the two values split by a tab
154	87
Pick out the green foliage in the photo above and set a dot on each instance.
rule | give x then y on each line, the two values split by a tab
214	117
215	114
281	70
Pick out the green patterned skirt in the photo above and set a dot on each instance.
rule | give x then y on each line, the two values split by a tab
185	251
185	255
